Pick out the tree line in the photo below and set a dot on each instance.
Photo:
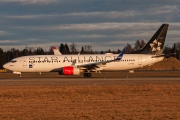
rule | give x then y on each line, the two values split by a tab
6	56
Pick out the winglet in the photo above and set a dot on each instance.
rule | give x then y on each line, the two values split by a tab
121	55
56	51
53	47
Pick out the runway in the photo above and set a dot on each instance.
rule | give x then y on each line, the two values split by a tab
117	74
92	79
87	81
113	78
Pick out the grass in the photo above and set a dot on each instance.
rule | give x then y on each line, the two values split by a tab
93	101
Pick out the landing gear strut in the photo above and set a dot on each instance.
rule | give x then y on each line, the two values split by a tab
87	75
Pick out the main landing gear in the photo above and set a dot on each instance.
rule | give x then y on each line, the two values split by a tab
87	75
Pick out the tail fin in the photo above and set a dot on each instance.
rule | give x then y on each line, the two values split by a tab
156	43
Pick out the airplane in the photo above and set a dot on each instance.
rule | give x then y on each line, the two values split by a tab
75	64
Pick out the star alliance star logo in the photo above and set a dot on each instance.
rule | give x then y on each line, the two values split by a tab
155	46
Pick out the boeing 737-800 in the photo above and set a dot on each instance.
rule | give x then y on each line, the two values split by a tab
76	64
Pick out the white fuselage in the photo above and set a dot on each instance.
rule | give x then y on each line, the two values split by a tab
52	63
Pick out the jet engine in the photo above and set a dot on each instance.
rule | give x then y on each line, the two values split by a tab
70	70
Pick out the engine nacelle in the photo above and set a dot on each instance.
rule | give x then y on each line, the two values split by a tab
70	70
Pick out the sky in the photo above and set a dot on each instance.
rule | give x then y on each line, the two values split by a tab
103	24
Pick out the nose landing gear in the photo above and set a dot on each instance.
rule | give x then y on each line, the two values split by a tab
87	75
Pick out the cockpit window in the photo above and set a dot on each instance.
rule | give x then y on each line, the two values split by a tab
13	61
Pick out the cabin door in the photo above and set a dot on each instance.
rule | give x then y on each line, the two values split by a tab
24	60
139	60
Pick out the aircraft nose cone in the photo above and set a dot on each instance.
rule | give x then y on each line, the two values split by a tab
5	66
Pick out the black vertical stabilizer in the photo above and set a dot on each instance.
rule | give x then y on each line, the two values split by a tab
156	43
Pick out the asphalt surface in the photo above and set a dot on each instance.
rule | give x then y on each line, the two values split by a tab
107	78
87	81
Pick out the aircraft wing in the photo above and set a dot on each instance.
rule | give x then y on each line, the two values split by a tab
98	64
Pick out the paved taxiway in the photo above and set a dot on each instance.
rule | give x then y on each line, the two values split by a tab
139	77
87	81
91	79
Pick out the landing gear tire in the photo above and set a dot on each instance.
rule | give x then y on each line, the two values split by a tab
87	75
